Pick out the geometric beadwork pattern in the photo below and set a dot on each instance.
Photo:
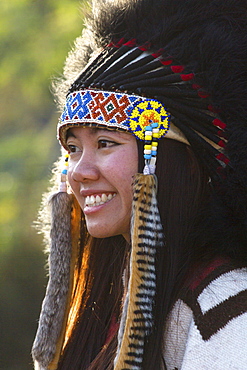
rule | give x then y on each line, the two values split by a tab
112	109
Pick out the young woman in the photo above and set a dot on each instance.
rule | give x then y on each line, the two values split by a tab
148	245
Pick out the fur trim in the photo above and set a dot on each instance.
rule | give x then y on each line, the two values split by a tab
54	304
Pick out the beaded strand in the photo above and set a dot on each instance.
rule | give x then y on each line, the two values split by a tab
63	182
150	147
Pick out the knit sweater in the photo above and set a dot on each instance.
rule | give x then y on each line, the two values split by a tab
207	327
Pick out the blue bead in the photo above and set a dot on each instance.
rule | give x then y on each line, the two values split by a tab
148	128
147	156
155	124
154	153
64	172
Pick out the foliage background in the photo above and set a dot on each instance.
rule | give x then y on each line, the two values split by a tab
35	36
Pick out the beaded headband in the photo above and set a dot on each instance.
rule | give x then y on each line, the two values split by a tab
146	119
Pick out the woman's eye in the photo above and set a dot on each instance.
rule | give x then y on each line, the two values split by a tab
106	143
73	148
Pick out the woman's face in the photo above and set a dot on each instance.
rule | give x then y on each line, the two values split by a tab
101	169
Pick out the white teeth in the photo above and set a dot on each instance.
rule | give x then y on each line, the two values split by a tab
92	200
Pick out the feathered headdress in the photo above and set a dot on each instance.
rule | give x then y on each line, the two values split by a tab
158	69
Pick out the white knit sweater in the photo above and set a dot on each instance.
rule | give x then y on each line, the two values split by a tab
207	328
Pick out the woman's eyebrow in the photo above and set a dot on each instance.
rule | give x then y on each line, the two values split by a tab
94	131
109	130
69	133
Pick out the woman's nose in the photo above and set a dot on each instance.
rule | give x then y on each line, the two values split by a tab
85	170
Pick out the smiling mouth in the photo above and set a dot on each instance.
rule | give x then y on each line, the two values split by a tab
96	200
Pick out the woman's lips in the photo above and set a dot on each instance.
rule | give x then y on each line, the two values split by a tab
98	199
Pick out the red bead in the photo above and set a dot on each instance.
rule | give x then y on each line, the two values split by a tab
203	94
221	157
166	62
120	42
187	77
217	122
177	69
145	47
222	143
131	42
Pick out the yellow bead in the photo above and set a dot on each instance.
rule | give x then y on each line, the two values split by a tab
148	137
155	134
147	146
154	143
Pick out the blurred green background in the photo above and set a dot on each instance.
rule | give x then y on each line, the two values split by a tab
35	36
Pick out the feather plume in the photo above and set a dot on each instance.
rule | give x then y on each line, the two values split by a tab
146	232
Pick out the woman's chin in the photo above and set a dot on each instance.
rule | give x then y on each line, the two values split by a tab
105	226
99	232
